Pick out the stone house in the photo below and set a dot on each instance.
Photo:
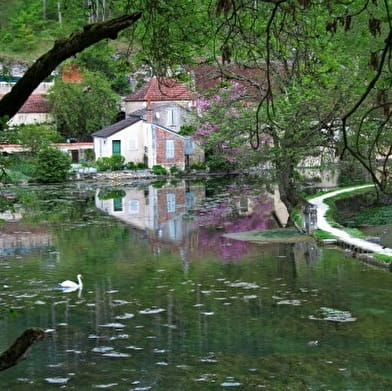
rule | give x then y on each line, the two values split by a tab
140	141
154	115
36	110
170	102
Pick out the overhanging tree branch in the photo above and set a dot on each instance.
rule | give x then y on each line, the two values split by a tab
62	49
17	351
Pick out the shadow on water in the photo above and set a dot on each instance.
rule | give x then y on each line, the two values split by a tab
168	300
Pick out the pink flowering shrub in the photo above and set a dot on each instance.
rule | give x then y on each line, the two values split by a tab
226	119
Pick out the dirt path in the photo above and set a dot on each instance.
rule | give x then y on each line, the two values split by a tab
323	224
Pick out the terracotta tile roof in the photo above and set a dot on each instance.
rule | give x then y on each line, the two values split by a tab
36	103
116	127
161	90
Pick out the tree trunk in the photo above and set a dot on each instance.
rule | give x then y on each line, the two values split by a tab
18	350
62	49
59	13
287	189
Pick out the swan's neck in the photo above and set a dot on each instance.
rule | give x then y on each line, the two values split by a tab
80	281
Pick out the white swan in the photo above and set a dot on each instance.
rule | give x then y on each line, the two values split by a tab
71	284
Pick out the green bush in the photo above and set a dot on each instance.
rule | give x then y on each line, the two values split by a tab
174	170
159	170
89	154
103	163
198	166
51	165
117	162
135	166
131	166
113	163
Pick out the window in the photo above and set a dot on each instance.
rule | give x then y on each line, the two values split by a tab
171	202
132	144
170	117
133	207
173	230
117	205
116	147
169	149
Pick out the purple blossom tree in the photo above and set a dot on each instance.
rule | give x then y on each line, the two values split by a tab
225	122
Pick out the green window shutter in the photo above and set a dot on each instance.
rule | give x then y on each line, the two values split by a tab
117	205
116	147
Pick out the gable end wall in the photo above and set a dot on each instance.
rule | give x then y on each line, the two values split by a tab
161	159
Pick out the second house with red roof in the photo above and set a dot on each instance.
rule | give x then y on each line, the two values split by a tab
149	132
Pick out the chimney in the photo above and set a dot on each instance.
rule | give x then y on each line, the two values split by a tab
71	74
149	113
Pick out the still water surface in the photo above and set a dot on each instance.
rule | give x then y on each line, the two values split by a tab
169	304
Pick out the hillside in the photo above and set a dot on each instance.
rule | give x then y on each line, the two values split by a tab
28	28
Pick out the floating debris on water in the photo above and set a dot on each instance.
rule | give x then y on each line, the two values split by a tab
124	316
116	355
250	297
113	325
119	302
134	347
149	311
242	284
290	302
57	380
333	315
230	382
102	349
120	336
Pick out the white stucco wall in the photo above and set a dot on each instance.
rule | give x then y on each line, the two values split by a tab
29	119
130	107
133	141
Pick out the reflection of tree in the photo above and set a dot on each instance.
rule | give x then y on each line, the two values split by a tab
237	214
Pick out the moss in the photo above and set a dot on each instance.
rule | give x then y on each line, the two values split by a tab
383	257
319	234
283	235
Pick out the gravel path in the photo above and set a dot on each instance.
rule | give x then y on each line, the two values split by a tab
323	224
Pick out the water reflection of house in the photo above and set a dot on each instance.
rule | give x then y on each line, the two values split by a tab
17	239
157	210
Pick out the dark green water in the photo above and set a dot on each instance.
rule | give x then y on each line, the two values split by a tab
173	305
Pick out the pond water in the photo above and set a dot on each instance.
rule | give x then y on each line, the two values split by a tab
168	303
